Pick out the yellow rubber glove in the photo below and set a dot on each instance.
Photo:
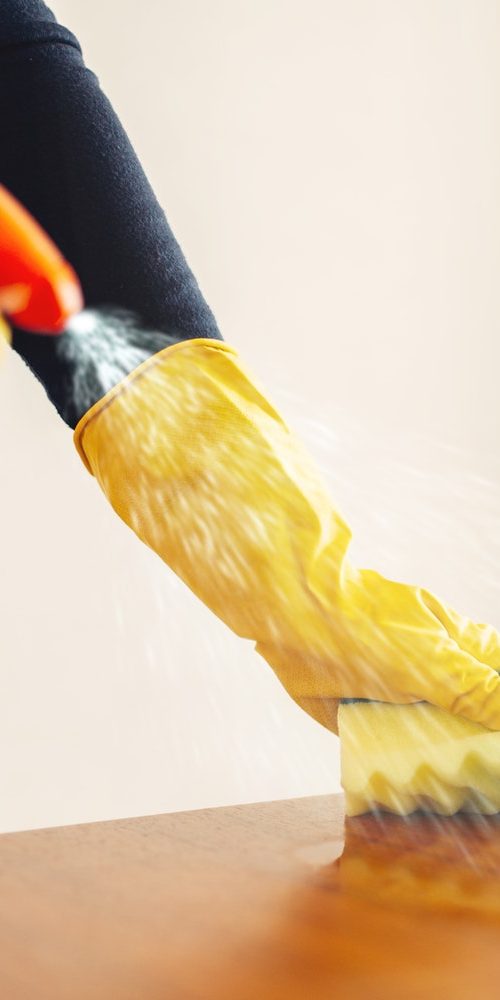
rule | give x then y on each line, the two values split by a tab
196	460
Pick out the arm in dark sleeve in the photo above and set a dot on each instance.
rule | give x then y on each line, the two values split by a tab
65	155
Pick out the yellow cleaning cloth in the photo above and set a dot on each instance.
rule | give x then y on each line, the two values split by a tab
406	757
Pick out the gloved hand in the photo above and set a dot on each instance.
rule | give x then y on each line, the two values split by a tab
196	460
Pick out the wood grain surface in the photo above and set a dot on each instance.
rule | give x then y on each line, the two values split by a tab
274	900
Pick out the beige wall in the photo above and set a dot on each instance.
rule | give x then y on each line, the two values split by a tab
331	170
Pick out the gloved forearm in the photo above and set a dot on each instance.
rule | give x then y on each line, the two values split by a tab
65	155
198	462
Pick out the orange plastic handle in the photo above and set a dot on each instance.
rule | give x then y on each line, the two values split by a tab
39	290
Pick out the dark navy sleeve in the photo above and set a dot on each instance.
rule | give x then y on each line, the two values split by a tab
65	155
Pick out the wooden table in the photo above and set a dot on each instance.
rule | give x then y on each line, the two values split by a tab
252	903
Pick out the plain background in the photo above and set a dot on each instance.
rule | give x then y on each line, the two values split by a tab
331	170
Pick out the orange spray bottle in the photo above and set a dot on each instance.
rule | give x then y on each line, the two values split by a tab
39	289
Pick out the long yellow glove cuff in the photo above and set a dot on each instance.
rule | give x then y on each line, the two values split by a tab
194	458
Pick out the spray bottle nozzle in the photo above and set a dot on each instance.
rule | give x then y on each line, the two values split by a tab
39	290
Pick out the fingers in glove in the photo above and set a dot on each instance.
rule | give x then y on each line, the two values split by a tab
464	686
481	640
